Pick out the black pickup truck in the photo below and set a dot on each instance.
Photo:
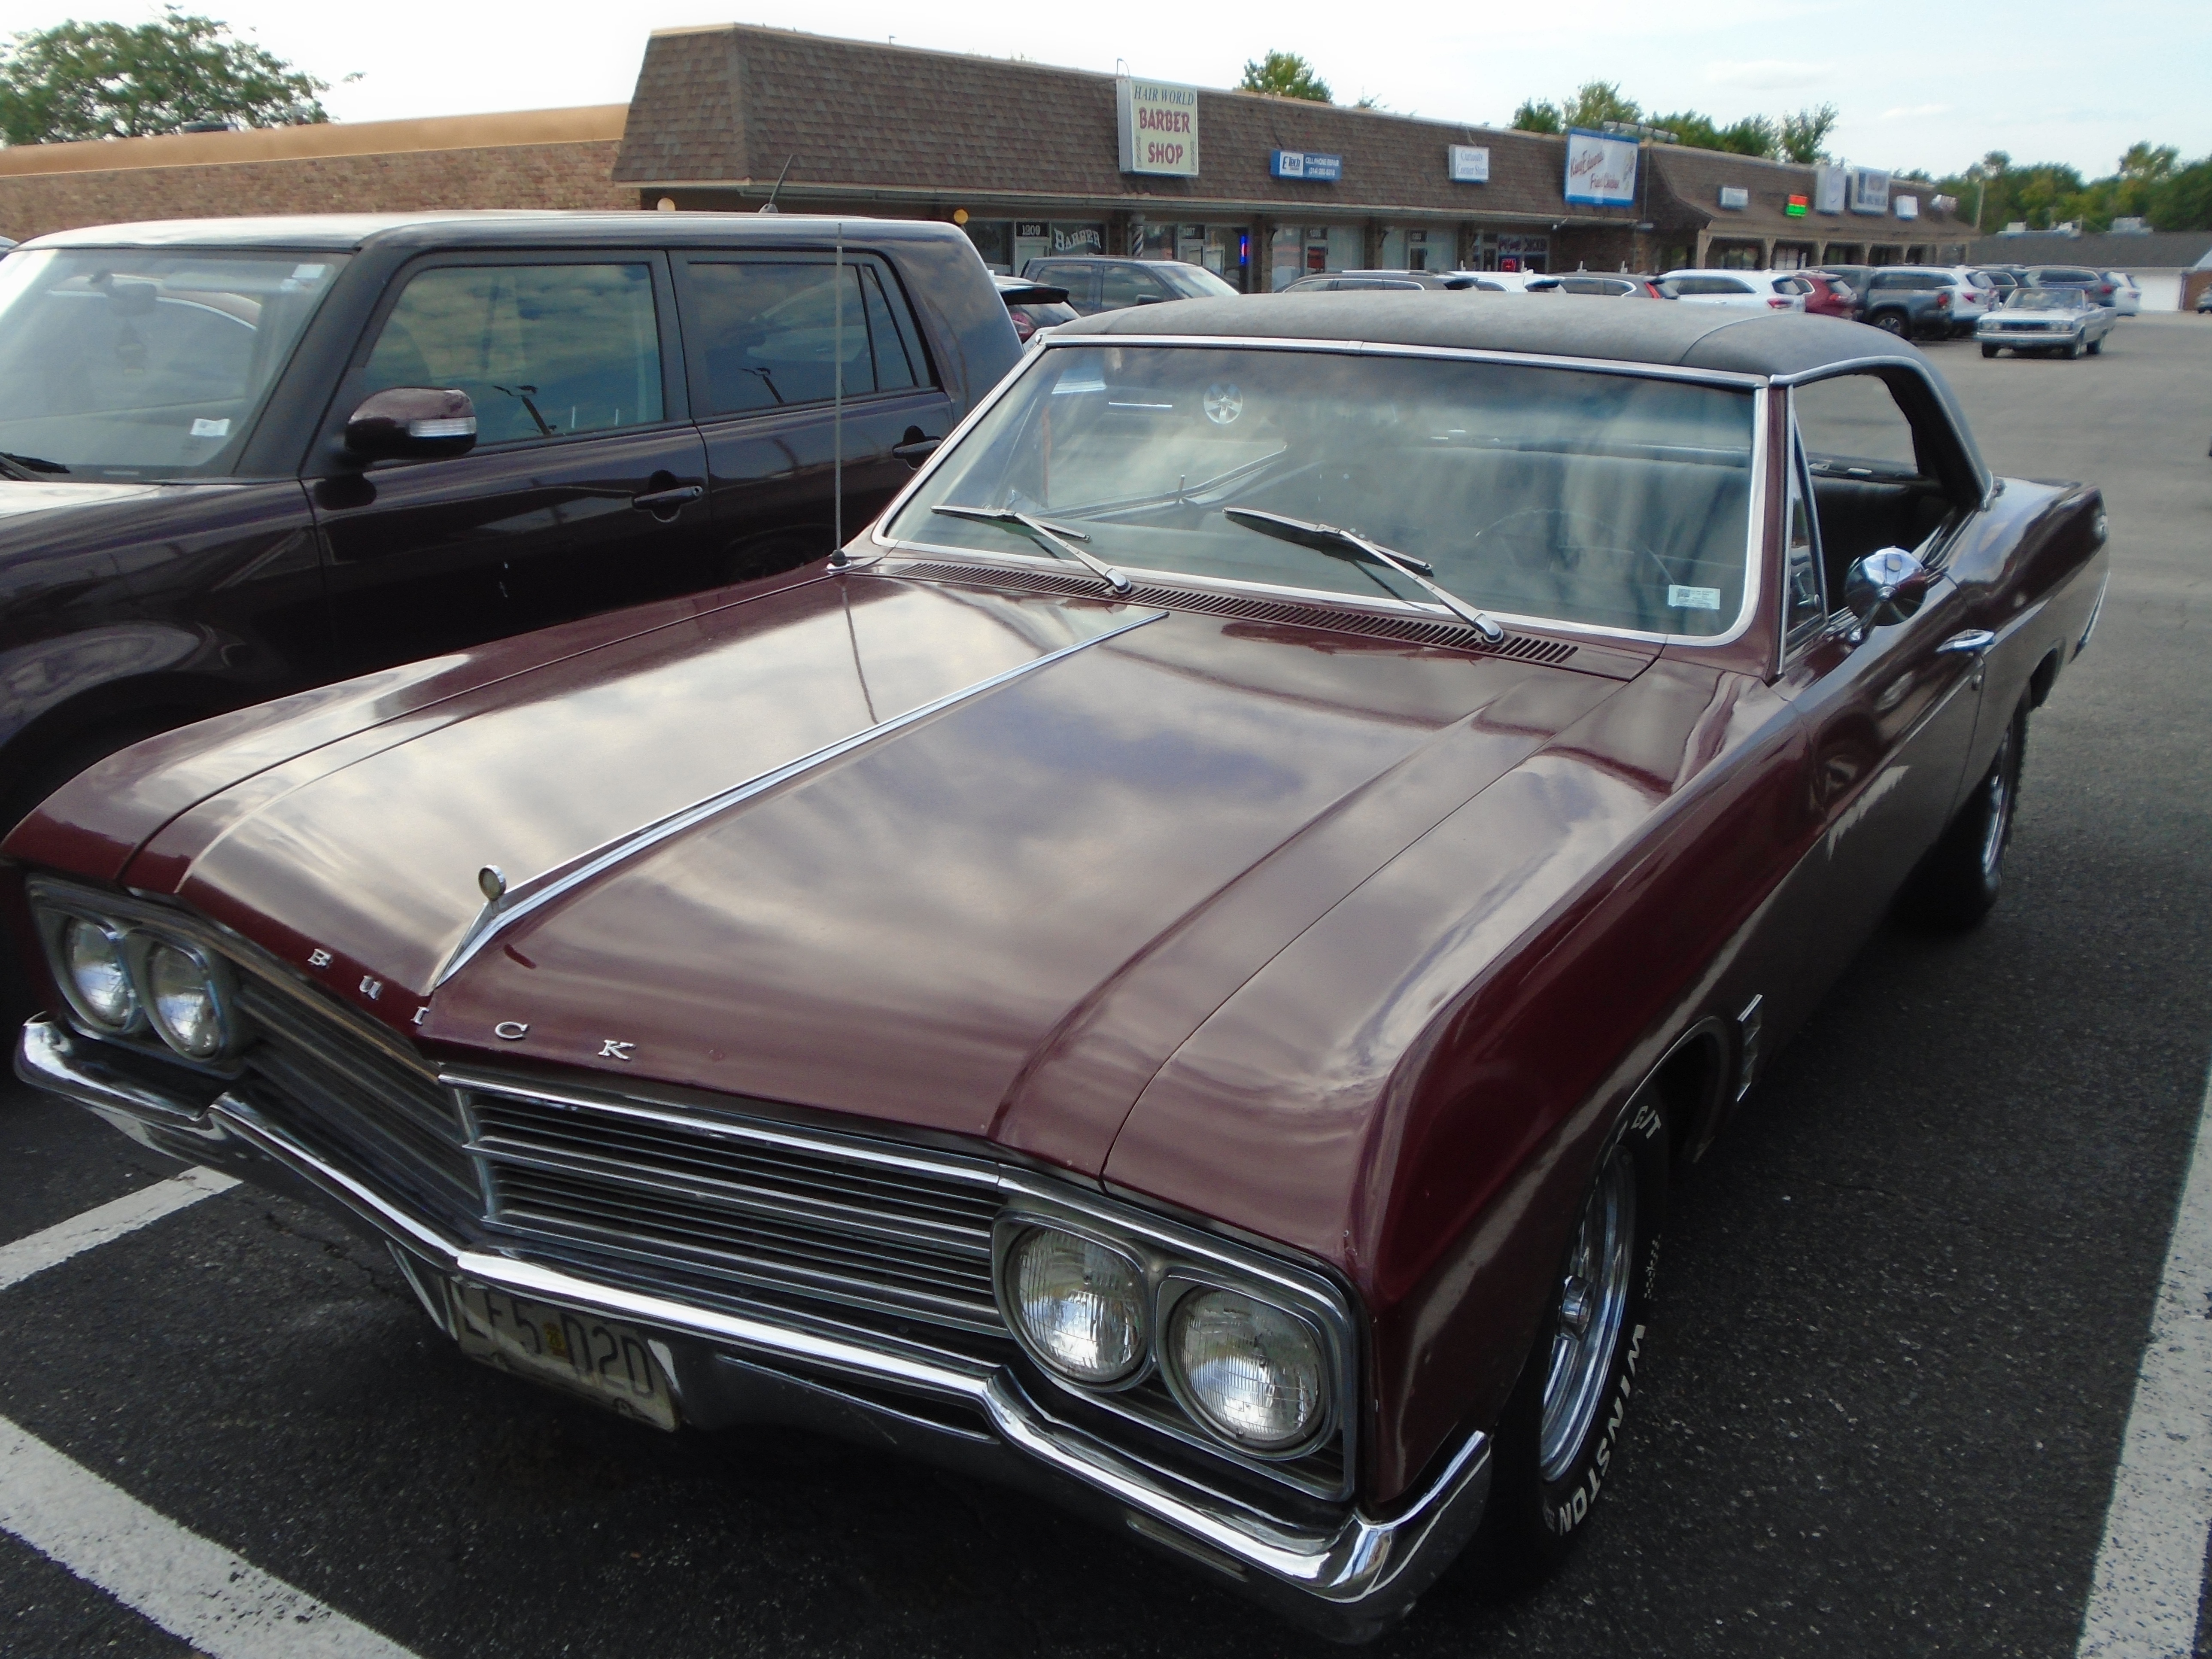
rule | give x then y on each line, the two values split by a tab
242	457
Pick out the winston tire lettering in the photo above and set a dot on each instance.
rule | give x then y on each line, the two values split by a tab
1572	1509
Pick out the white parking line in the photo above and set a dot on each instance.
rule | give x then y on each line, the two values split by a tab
221	1603
58	1243
2150	1568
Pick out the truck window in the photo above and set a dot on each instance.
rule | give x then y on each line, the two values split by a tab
771	331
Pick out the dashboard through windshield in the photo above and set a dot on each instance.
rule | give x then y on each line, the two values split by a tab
1608	500
126	363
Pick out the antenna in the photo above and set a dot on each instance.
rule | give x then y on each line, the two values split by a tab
768	206
837	405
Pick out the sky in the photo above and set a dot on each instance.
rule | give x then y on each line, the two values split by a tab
1919	84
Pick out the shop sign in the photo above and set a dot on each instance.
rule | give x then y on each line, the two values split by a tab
1160	127
1308	164
1828	190
1078	238
1796	207
1601	169
1870	190
1908	207
1734	196
1470	164
1032	229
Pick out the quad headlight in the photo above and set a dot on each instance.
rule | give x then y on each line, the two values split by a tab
1253	1372
127	976
1079	1307
185	1000
96	973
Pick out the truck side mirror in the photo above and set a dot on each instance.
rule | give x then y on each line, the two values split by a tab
412	422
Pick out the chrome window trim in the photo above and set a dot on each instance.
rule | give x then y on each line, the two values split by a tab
1756	527
1964	436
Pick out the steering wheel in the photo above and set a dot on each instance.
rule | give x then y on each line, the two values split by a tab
1556	539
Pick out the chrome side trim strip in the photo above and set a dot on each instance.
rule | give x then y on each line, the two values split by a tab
1371	1565
539	890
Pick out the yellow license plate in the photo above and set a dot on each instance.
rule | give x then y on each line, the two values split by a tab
605	1361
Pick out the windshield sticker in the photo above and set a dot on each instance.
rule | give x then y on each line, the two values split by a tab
308	273
1694	599
203	428
1224	403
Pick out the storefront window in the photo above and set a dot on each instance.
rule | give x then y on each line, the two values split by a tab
994	241
1415	247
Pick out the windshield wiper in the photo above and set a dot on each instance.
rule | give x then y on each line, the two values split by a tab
28	467
1055	537
1351	544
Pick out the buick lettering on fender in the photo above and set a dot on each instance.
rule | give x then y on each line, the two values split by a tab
1176	969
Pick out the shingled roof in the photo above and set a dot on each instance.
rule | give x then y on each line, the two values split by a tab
728	106
1692	180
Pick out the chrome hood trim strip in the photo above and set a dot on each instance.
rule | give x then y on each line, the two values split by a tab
544	889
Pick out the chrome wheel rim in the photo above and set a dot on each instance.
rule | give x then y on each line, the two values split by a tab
1998	818
1592	1304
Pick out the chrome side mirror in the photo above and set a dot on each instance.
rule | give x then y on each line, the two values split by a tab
1885	587
412	422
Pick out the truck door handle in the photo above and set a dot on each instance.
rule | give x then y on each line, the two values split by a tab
1971	643
662	501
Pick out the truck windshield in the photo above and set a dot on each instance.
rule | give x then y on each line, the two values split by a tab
1611	500
138	363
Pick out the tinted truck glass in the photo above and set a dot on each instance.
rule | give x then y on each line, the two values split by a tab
773	333
543	350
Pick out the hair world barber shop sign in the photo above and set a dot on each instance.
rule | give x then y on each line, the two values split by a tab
1160	127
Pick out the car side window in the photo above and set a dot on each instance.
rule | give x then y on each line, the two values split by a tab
769	333
542	351
1851	426
1122	287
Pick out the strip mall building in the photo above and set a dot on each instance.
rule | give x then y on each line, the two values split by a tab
1030	160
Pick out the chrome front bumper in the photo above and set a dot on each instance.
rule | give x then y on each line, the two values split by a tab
1349	1582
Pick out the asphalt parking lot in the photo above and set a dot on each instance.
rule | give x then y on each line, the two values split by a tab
1907	1295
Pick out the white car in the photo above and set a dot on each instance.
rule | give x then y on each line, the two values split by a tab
1975	298
1740	290
1499	282
2127	295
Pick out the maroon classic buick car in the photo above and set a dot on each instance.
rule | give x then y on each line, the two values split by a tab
1174	969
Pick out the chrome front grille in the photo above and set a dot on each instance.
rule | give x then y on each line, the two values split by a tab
314	1075
709	1199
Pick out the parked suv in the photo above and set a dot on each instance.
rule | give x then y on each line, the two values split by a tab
1350	282
1096	283
240	456
2097	284
1915	302
1744	291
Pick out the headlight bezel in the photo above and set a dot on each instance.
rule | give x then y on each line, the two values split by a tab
1178	1260
1017	1229
137	926
1171	1372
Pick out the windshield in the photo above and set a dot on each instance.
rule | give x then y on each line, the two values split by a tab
124	363
2043	299
1616	501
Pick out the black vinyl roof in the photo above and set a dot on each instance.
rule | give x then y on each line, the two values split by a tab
338	232
1557	325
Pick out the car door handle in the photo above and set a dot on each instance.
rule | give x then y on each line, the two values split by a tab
1971	643
659	501
915	451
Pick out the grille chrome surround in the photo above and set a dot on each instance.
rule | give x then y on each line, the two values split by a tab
727	1199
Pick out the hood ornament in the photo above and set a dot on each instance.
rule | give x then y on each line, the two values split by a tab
491	881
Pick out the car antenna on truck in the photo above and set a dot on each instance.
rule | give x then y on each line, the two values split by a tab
770	206
837	402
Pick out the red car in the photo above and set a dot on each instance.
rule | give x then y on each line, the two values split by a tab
1829	296
1175	969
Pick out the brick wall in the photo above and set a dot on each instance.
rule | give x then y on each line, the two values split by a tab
573	174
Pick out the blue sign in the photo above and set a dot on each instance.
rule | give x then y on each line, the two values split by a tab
1308	164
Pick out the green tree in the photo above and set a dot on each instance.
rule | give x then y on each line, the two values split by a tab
1285	75
1597	102
1537	115
79	81
1804	135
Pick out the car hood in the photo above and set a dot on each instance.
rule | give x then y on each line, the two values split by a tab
867	845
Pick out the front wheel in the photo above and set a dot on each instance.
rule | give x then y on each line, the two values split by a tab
2070	353
1556	1444
1960	879
2095	347
1988	350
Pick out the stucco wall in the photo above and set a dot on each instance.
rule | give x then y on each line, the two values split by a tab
555	175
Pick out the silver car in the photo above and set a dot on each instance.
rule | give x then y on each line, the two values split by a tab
2062	322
